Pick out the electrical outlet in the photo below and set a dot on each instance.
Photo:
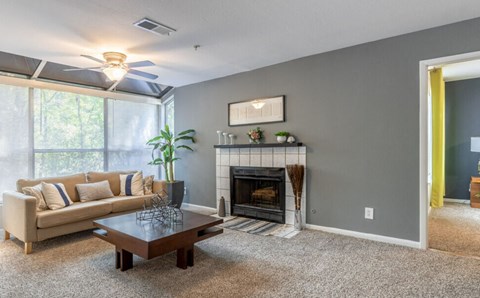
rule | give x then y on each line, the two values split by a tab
368	213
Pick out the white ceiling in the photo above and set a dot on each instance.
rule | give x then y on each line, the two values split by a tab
235	35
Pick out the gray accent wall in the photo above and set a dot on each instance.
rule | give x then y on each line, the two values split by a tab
462	121
357	111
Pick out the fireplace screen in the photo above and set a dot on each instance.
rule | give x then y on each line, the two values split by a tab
258	192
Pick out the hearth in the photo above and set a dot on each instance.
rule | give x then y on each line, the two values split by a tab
258	192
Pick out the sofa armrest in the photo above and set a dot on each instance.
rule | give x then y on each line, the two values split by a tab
20	216
159	185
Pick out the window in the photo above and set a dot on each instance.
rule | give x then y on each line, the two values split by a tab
51	133
170	113
14	136
130	126
68	133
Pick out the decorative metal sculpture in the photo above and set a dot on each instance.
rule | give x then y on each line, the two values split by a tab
160	209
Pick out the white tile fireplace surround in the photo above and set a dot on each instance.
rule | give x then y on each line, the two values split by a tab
260	157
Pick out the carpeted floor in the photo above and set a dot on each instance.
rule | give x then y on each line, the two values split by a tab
455	228
238	264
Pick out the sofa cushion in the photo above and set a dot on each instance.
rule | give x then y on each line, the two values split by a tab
131	184
94	191
36	192
55	195
148	185
68	181
73	213
120	204
112	177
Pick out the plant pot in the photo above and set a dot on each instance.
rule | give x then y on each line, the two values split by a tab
281	139
175	192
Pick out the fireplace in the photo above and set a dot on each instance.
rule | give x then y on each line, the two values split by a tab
258	192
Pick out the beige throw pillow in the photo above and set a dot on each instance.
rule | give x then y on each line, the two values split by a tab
148	185
55	195
94	191
131	184
36	192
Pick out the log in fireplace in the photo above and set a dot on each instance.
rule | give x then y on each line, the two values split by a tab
258	192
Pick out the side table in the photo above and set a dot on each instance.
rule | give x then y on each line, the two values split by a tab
475	192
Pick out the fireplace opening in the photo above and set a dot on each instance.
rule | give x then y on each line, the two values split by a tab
258	193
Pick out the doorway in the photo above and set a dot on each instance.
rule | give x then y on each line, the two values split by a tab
441	219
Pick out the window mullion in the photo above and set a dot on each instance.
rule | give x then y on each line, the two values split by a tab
105	134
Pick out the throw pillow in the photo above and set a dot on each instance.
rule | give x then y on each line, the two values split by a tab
36	192
131	184
94	191
148	185
55	195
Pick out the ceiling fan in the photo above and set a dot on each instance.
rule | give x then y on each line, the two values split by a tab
115	68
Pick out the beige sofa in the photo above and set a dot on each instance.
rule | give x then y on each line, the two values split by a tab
21	219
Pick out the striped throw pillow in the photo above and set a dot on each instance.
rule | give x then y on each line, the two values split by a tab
131	184
55	195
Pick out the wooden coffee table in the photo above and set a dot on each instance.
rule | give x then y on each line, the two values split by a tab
150	239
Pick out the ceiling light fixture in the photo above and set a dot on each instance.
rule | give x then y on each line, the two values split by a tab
115	72
258	104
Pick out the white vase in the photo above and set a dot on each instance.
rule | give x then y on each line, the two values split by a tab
281	139
291	139
297	220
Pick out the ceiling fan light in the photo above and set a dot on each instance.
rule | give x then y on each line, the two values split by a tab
115	72
258	104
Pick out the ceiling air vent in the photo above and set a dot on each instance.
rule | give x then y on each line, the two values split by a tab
153	27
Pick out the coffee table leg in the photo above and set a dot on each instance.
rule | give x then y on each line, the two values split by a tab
118	261
190	254
126	260
185	257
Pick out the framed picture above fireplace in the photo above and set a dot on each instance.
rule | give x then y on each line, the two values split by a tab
257	111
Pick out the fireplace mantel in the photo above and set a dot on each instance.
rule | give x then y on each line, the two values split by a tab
261	145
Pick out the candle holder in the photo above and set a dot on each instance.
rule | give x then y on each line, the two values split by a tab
225	134
219	133
231	136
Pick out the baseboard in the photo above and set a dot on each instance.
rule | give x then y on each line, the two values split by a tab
373	237
200	207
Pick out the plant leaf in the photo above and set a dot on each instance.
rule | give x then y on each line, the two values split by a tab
185	138
184	147
186	132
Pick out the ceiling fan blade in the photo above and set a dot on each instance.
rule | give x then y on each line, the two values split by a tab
140	64
87	68
142	74
93	58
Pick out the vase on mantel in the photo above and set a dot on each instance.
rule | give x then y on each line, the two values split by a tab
254	141
297	220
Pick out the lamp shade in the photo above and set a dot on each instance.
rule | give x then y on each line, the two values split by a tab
115	72
475	144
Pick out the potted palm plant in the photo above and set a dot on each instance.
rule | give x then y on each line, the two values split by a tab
167	143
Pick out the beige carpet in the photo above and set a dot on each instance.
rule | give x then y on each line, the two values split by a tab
237	264
455	228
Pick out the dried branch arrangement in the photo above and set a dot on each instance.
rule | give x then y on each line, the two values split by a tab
296	173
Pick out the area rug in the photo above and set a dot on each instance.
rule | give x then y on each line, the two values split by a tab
259	227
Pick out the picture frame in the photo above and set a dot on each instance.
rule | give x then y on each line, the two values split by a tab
257	111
